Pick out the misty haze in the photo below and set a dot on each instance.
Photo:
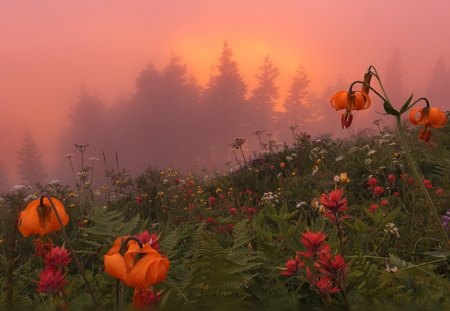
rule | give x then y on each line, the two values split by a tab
173	84
225	155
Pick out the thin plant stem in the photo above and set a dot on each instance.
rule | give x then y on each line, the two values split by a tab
417	175
74	175
340	235
75	257
236	158
377	76
243	156
344	295
119	285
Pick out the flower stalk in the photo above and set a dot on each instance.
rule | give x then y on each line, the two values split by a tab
67	241
427	116
418	176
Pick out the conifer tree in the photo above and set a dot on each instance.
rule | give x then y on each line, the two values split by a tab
29	167
264	96
296	111
224	105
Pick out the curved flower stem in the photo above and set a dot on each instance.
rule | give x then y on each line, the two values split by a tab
418	100
66	238
419	179
377	76
371	88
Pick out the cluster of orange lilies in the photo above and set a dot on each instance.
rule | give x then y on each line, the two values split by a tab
139	266
351	100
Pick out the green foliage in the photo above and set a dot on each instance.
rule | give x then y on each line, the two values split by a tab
228	238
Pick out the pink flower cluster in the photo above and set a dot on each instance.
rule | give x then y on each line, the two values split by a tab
334	205
324	271
52	279
152	239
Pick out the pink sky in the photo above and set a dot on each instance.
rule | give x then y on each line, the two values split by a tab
52	49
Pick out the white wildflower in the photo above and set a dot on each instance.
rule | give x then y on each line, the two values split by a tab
391	269
367	161
371	152
315	170
69	155
300	204
391	228
94	159
339	158
30	197
336	178
18	188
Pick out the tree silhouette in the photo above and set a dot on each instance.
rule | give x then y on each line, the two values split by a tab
225	95
224	104
29	166
4	179
264	97
437	90
87	124
393	79
295	102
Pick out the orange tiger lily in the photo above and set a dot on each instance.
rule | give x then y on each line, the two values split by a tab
428	117
151	268
41	219
354	100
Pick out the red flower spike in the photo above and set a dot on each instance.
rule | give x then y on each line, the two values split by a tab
51	281
57	258
334	202
146	238
314	244
326	287
333	267
145	298
372	182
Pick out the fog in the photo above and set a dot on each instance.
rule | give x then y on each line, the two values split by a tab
144	80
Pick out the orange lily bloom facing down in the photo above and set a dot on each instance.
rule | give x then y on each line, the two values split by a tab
355	100
151	268
41	219
428	117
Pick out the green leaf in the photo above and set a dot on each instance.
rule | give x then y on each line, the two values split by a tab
406	105
360	226
391	216
390	110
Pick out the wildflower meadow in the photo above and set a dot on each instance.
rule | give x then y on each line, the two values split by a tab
359	223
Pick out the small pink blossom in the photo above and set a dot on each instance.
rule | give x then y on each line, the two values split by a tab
440	192
57	258
233	211
372	182
51	281
152	239
391	178
373	208
378	190
427	183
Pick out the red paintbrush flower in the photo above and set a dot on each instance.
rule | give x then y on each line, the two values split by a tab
57	258
51	281
314	243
